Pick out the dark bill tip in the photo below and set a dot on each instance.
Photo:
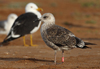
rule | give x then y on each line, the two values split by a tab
37	20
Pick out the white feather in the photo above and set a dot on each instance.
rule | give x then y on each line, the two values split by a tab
8	23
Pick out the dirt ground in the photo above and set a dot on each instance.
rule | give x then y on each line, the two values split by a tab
75	15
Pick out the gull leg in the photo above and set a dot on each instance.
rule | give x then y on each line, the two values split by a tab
62	56
55	57
24	41
31	40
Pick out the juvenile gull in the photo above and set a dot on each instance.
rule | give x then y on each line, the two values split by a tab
57	37
5	25
25	24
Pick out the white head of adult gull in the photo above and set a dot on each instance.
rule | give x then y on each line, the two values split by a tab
32	7
57	37
25	24
6	25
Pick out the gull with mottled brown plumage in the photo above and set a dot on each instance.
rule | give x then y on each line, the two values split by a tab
57	37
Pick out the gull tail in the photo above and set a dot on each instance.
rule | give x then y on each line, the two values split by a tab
81	44
7	40
88	43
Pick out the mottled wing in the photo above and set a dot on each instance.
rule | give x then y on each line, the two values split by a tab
60	36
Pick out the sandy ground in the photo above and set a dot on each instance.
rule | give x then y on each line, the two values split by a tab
69	14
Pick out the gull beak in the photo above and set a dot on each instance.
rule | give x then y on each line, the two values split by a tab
39	9
37	20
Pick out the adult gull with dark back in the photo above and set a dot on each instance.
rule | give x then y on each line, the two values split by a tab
25	24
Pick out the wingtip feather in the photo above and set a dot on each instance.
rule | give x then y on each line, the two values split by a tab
88	43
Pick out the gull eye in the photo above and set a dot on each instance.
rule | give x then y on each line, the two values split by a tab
12	17
45	17
31	7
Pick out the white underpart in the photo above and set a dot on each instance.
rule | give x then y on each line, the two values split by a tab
33	10
36	28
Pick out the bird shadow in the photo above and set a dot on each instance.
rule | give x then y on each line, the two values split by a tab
89	43
80	26
90	38
31	59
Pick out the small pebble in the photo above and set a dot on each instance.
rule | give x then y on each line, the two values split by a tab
6	53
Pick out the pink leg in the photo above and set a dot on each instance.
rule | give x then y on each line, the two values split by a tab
62	56
55	57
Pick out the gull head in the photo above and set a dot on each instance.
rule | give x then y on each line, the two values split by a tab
32	7
12	17
48	18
